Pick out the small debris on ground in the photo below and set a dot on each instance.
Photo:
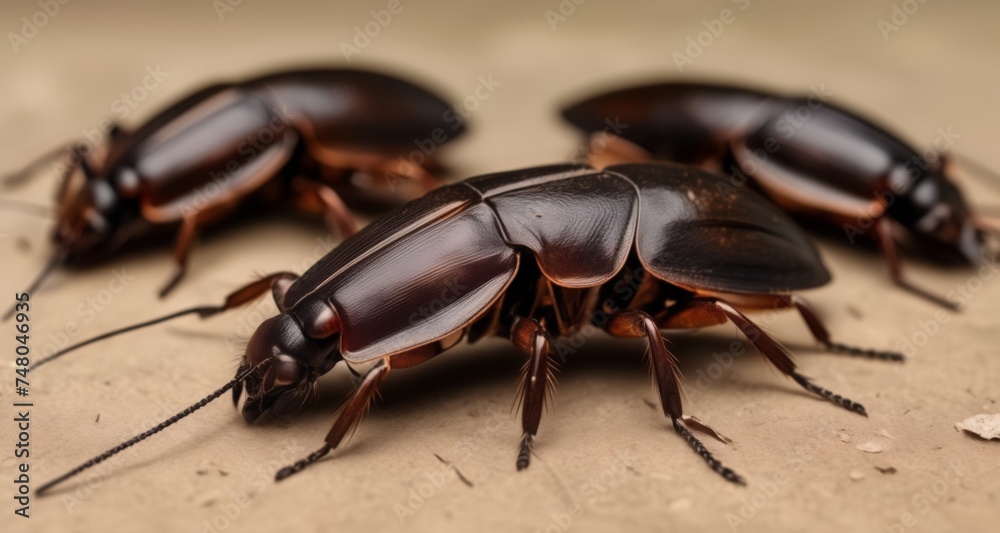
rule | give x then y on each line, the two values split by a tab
886	470
882	432
984	425
857	475
870	447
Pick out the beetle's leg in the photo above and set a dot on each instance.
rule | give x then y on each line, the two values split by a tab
821	334
20	177
338	216
638	324
182	249
770	348
605	149
347	419
381	165
536	382
883	231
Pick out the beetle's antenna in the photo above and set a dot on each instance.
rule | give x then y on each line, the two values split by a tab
153	430
977	168
19	178
238	297
56	258
202	311
26	207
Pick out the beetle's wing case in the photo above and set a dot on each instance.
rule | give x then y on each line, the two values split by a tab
832	156
579	223
699	232
429	209
208	142
683	122
418	274
348	108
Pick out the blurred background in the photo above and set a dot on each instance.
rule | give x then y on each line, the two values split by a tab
607	461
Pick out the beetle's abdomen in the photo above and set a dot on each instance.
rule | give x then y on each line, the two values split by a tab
697	231
351	108
680	122
211	141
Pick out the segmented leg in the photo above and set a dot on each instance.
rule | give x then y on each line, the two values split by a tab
638	324
182	250
530	336
771	349
883	230
393	169
338	216
347	419
821	334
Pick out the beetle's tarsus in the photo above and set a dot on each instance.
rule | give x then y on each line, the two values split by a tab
301	464
869	353
171	283
524	455
842	401
727	473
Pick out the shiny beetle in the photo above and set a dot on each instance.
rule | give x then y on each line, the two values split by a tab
816	160
296	137
537	254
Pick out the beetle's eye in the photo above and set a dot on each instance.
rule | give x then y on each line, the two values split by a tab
286	371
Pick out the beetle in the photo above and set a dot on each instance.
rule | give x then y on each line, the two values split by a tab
301	137
821	162
533	255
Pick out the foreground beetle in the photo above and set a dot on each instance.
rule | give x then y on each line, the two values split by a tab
539	253
814	159
291	137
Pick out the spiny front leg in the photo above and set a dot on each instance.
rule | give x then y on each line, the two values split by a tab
530	336
349	417
630	324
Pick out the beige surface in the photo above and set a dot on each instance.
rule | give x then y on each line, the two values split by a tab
603	451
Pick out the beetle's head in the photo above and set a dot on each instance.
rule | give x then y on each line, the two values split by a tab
294	363
87	212
941	216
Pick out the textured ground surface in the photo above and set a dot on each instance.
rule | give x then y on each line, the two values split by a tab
606	459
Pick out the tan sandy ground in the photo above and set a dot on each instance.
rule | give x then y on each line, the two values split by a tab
606	459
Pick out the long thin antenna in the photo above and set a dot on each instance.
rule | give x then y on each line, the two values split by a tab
27	208
56	258
978	168
202	311
152	431
18	178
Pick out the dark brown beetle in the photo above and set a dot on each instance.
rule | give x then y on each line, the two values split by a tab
536	254
292	137
816	160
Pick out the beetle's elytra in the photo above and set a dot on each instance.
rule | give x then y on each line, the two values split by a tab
814	159
541	252
286	138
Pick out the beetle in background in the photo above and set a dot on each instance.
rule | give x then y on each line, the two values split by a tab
832	167
541	253
294	137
